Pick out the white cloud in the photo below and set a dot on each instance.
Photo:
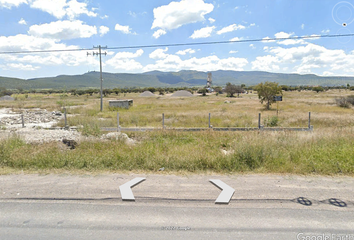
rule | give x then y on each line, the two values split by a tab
63	30
252	24
103	30
231	28
125	55
20	67
266	63
310	58
53	7
288	41
11	3
326	31
232	51
22	22
266	40
184	52
159	54
211	20
75	9
62	8
23	42
292	42
159	33
169	62
125	61
203	32
237	7
236	39
314	37
302	26
283	35
126	65
123	29
252	46
327	73
177	14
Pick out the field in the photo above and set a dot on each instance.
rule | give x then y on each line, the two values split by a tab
328	150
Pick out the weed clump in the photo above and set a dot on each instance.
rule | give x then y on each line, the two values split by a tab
271	121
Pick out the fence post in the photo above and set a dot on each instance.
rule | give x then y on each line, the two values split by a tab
209	121
310	127
23	121
118	127
163	121
65	119
259	121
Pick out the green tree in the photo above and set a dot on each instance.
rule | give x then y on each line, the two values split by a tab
318	89
267	91
231	89
218	90
202	91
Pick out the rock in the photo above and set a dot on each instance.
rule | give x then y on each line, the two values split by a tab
70	143
118	136
225	152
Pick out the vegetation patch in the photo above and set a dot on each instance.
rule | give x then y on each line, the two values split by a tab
264	152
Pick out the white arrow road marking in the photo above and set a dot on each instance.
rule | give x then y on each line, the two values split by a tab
226	193
126	191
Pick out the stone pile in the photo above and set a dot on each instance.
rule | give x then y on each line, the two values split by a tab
182	93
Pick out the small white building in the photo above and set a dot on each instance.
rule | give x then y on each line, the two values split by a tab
126	103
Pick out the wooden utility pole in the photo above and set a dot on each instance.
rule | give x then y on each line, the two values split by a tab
100	54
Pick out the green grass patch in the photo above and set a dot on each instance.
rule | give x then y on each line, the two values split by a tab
281	152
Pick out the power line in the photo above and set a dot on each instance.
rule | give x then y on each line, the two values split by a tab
235	41
48	51
186	44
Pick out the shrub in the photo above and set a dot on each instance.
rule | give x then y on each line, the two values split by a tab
351	99
345	102
271	122
202	91
318	89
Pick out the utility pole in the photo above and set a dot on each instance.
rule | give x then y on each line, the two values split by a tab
100	54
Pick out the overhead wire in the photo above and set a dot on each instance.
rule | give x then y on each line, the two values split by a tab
182	44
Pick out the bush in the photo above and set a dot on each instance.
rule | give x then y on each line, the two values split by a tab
202	91
271	122
345	102
318	89
351	99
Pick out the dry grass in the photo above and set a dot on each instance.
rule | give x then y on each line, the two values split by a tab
328	150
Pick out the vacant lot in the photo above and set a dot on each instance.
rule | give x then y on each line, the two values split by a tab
326	150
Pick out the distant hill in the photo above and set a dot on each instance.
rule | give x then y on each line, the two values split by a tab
170	79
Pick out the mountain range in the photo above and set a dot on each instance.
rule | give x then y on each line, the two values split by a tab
185	78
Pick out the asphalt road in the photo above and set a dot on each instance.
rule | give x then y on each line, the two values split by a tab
176	207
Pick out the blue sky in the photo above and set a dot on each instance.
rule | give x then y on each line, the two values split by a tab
31	25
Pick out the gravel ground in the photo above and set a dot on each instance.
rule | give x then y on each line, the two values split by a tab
33	135
38	119
35	121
